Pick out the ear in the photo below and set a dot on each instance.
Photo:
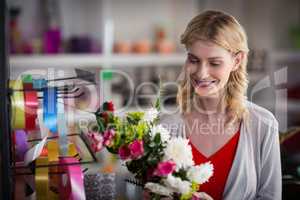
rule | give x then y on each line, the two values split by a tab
237	60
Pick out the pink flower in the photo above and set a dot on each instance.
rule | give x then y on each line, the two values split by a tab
96	146
124	152
95	136
165	168
108	137
136	149
96	141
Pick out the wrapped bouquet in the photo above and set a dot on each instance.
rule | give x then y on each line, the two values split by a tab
162	164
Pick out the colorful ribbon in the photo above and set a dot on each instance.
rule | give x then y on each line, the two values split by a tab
72	150
50	109
27	78
39	83
17	104
19	186
42	179
54	181
31	106
53	151
62	129
72	187
21	144
54	177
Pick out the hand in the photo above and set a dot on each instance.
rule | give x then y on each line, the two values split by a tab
146	196
203	196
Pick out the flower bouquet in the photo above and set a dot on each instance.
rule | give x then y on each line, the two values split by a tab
162	164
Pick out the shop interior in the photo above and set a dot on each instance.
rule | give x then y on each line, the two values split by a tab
121	51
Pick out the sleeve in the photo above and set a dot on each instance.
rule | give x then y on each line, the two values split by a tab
270	182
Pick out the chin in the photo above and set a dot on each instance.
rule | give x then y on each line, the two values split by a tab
206	92
203	93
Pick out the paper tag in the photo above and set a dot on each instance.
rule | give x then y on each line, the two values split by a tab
35	151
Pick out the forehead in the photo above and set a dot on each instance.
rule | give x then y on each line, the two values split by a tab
206	49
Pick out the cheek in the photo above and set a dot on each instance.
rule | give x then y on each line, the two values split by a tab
222	73
190	68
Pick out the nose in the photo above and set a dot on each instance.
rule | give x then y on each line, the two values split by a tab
202	70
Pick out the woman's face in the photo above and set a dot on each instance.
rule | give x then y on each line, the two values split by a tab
208	66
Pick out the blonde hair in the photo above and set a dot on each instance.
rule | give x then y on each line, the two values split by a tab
223	30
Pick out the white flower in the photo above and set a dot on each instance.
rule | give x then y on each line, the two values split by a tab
200	173
177	184
164	133
150	115
158	189
180	152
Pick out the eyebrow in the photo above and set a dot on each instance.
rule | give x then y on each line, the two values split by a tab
195	57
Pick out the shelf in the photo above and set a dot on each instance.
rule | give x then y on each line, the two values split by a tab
94	60
291	105
255	77
285	55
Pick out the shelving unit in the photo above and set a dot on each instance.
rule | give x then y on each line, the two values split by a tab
281	67
95	60
285	55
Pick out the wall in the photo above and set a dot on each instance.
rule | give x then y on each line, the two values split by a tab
132	19
266	22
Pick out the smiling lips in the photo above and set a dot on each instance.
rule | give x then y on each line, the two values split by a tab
204	83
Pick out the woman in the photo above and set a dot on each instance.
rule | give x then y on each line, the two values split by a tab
238	137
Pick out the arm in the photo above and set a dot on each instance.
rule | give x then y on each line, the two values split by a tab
270	183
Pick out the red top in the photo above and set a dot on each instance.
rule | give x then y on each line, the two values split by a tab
222	161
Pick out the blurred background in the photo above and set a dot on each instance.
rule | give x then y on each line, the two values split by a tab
141	38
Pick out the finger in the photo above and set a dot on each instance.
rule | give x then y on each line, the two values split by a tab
203	195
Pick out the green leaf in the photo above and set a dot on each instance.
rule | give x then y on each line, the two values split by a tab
101	124
134	117
112	150
158	99
141	130
181	174
157	138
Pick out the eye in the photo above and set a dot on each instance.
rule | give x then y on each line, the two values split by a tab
215	64
193	60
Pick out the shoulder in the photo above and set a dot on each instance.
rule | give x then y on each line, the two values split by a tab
259	115
261	125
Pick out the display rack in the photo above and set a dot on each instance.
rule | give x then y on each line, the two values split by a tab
10	169
96	60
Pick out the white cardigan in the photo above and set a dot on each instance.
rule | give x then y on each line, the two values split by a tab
256	169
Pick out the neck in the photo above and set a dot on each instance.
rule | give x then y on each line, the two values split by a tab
213	105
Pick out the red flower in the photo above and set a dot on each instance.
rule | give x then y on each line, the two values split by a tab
104	115
110	106
150	173
124	152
